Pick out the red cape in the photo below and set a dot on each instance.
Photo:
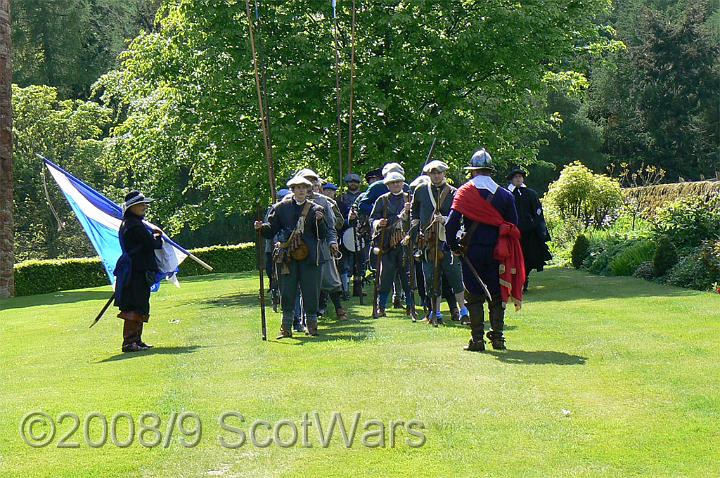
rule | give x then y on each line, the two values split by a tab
470	203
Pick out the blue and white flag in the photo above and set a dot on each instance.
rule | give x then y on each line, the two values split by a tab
101	218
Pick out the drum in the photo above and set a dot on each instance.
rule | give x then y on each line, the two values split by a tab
348	240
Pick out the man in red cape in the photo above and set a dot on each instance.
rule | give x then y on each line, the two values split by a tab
491	247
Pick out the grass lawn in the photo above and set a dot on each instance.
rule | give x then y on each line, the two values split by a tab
604	377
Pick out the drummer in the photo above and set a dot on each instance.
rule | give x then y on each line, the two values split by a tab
345	203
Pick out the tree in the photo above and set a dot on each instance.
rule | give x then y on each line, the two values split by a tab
470	73
7	241
657	101
68	44
70	133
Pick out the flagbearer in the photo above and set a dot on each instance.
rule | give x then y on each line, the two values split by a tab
299	225
136	270
430	208
491	246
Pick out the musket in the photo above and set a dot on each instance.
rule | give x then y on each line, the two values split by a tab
477	276
105	308
357	275
410	254
430	153
377	271
435	299
260	257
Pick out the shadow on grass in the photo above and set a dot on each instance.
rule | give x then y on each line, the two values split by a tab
54	298
558	284
153	351
238	300
537	357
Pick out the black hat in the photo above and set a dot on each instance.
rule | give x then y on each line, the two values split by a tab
375	173
516	170
134	197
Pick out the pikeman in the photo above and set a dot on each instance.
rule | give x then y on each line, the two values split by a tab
300	227
390	219
430	208
330	282
493	266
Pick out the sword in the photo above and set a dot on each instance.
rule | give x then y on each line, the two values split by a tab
477	276
105	308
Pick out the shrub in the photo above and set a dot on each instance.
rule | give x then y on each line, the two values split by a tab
39	277
688	222
606	252
698	270
646	271
665	256
236	258
628	260
580	251
580	195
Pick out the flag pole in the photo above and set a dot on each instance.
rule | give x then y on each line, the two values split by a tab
352	90
337	89
261	108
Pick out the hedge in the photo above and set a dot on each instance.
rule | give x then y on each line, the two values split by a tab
651	198
40	277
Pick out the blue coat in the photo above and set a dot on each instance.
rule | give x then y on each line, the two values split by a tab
481	245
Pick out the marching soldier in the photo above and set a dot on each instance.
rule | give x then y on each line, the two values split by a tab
330	282
430	208
391	216
299	225
531	222
493	266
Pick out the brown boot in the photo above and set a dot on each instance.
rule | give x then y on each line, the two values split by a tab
284	334
379	313
341	314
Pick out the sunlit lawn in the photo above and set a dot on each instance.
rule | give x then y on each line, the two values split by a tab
604	377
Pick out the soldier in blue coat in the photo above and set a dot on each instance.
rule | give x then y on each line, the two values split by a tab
299	225
390	219
431	206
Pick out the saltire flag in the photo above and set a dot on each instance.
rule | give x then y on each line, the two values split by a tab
101	218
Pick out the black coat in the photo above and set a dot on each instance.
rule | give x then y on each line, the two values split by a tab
534	233
132	288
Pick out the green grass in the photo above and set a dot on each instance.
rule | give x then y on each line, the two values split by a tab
636	364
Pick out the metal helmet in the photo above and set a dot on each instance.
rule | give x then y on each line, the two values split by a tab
481	160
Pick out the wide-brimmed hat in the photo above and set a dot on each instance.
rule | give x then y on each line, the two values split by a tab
299	181
134	197
373	173
435	164
352	177
392	177
392	167
481	160
516	170
307	173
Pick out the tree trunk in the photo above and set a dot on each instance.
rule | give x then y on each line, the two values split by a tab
7	237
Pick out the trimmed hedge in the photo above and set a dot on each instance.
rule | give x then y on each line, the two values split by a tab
40	277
